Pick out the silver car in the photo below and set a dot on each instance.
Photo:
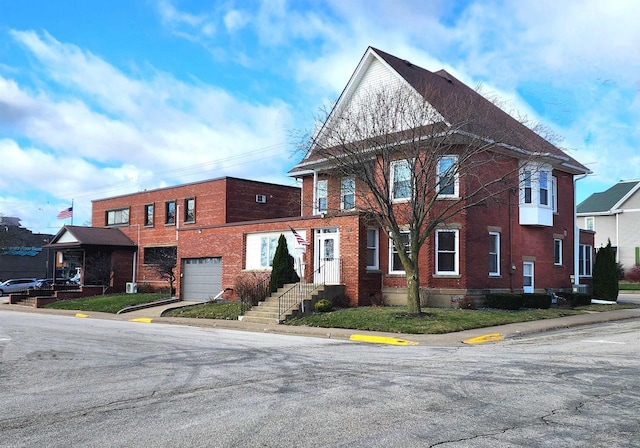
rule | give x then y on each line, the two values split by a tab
17	285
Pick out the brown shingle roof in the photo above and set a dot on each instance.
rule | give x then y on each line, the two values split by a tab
92	236
456	102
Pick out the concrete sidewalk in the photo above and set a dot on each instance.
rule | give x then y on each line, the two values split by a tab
154	315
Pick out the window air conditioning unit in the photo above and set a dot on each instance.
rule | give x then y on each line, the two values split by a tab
131	288
261	199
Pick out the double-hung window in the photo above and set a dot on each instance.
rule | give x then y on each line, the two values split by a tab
557	252
401	184
584	260
395	265
321	196
447	176
527	187
494	254
348	193
372	249
544	188
446	252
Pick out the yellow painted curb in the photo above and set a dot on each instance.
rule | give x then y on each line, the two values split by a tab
484	338
380	340
81	315
146	320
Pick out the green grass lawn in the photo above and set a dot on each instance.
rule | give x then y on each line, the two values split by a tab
111	303
438	320
219	310
629	286
387	319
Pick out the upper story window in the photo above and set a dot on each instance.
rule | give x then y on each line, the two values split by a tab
446	252
170	212
494	254
372	249
401	180
148	215
544	188
190	210
321	196
348	193
447	177
538	194
118	217
395	265
589	223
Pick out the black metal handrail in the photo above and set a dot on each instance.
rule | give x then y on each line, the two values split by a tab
253	296
301	291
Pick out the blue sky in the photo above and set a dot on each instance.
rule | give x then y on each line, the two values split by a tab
102	98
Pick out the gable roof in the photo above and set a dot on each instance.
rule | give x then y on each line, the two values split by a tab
81	236
447	94
608	200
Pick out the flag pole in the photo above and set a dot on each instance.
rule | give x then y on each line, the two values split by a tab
71	211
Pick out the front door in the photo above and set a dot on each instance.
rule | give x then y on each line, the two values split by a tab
527	272
327	256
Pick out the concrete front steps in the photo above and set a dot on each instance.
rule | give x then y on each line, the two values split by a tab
266	312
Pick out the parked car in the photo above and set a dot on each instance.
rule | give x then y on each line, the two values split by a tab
44	283
17	285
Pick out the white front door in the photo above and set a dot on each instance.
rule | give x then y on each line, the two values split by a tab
527	272
327	256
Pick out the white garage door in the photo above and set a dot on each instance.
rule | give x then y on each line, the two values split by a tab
201	278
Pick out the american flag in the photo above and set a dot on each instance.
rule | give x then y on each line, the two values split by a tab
66	213
301	241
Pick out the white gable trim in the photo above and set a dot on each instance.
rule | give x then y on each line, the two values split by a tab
67	237
618	205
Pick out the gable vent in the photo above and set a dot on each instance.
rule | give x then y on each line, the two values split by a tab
261	199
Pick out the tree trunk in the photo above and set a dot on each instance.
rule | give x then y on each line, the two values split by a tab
413	295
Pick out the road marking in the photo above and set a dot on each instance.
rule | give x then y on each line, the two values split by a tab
484	338
602	341
146	320
81	315
381	340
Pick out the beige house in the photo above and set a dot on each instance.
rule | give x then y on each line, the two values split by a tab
614	215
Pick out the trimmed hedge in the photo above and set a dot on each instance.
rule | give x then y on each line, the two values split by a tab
504	301
509	301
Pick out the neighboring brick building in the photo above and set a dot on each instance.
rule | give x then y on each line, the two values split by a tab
195	224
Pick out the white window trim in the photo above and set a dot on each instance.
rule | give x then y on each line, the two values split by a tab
456	182
583	264
321	186
391	252
392	169
530	174
456	262
496	273
344	192
593	223
376	249
560	243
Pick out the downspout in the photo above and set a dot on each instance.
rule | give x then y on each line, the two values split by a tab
576	235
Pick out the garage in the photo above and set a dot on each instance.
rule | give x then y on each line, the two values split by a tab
201	278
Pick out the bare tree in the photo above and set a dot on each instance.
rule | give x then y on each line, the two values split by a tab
98	270
416	166
164	261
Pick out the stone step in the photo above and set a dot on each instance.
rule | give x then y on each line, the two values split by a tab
256	313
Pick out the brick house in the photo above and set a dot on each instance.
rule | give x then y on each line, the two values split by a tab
525	240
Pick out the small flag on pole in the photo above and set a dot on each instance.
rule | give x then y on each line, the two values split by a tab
301	241
66	213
